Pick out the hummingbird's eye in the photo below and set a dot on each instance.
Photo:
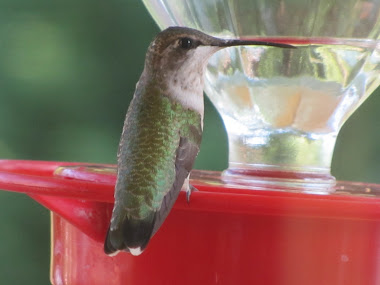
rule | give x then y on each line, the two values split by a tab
186	43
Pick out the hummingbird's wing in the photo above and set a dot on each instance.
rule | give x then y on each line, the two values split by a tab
137	233
186	154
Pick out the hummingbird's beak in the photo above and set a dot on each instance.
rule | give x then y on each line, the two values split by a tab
230	43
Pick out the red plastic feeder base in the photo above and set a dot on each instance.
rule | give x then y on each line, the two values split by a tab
224	236
218	248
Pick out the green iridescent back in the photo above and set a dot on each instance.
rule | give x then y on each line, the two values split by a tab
148	149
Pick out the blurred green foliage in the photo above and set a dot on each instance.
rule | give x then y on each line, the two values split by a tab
67	73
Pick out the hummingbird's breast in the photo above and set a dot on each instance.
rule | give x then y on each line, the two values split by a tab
188	92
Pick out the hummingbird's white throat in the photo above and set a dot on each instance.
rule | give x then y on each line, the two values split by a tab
187	82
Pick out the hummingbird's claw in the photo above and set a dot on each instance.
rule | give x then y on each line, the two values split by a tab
190	190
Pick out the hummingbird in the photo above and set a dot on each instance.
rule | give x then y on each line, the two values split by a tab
162	134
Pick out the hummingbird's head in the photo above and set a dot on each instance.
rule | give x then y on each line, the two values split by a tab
177	49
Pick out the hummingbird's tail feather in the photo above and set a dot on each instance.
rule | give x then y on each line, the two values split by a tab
133	236
109	248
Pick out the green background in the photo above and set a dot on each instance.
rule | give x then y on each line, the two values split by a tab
67	73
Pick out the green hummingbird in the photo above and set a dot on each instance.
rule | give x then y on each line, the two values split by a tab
161	135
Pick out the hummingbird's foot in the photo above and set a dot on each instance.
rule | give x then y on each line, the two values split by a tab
190	190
